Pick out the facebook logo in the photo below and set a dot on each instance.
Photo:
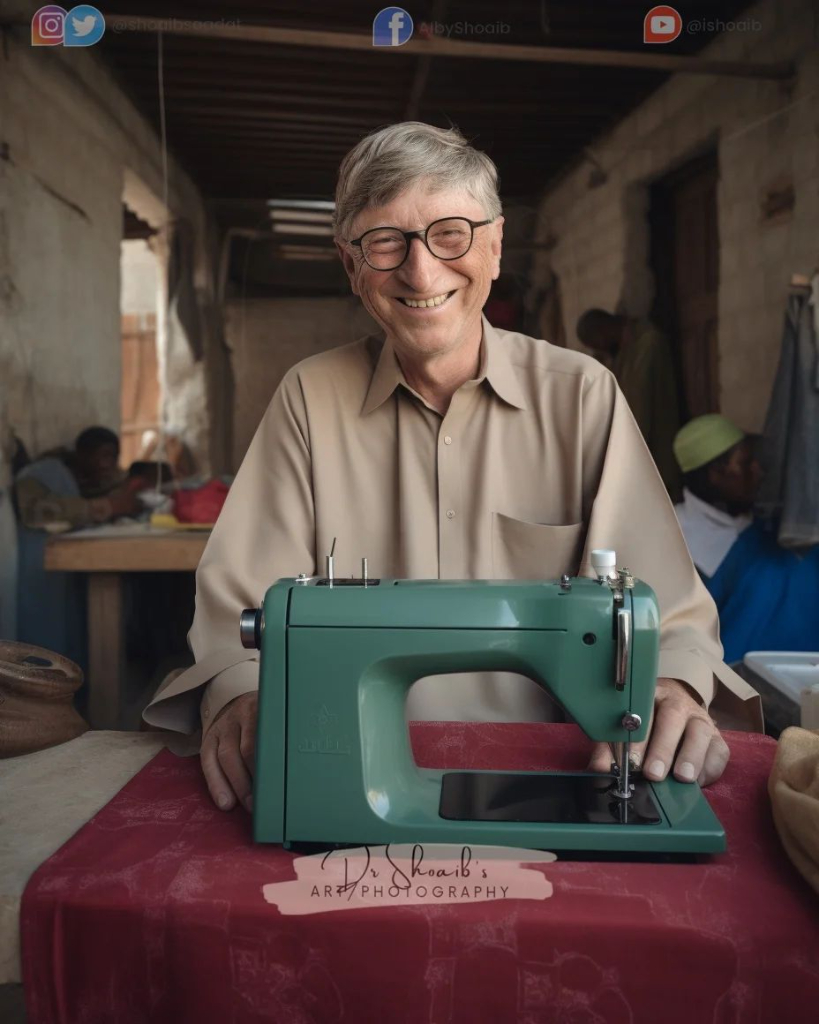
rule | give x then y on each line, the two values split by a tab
392	27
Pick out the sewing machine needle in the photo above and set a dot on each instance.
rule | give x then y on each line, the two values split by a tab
330	567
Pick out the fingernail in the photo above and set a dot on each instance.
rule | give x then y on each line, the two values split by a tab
656	768
223	800
686	771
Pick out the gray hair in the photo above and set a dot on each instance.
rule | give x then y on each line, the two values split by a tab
393	159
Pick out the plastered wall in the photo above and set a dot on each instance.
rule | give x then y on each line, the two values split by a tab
766	135
72	147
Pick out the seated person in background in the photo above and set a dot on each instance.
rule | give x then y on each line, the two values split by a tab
640	358
60	490
79	487
765	594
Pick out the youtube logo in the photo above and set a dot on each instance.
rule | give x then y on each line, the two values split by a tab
661	25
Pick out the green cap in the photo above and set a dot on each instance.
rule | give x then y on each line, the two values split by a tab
703	439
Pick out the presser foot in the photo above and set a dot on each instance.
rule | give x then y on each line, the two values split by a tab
624	789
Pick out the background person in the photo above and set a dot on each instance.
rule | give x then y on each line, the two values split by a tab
640	358
766	595
61	490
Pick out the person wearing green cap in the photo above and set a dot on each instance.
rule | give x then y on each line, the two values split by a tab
765	594
720	476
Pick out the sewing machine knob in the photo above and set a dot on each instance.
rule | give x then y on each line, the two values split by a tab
250	628
631	722
603	562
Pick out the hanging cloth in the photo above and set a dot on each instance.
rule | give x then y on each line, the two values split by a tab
790	444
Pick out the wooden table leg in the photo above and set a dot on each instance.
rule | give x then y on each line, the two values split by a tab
106	657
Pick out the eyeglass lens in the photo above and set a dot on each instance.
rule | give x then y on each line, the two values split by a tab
385	248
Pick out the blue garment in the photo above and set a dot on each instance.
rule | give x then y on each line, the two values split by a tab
767	596
51	606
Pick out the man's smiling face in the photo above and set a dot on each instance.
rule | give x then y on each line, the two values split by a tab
459	287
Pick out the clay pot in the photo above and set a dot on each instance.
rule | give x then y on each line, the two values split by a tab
37	690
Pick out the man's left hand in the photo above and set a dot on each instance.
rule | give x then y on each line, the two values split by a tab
681	734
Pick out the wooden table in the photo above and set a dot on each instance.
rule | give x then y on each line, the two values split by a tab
106	558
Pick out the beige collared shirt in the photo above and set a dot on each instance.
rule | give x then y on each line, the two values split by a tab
535	463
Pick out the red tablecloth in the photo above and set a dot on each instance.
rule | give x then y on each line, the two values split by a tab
154	913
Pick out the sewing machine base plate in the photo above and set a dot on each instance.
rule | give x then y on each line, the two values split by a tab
548	798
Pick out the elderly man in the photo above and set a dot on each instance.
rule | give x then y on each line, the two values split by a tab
442	447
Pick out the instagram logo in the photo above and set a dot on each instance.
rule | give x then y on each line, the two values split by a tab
48	26
81	26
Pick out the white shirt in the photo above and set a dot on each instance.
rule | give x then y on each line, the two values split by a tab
709	532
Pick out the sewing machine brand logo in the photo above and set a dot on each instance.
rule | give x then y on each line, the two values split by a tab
410	875
392	27
661	25
326	742
54	26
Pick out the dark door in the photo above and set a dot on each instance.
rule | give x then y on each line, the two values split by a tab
685	244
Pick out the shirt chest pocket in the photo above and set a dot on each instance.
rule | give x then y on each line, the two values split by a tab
532	551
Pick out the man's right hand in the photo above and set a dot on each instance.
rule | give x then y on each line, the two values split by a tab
228	753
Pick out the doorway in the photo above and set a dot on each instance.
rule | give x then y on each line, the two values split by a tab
140	401
685	262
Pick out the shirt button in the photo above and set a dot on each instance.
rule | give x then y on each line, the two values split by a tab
447	439
450	514
205	712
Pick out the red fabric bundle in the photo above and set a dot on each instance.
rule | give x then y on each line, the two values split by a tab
201	505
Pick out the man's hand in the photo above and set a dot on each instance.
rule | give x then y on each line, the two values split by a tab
678	721
228	753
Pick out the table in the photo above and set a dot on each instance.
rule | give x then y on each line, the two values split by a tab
106	556
47	797
154	912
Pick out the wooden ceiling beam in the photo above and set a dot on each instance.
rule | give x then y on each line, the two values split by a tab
438	47
176	95
294	128
236	68
250	138
195	42
237	113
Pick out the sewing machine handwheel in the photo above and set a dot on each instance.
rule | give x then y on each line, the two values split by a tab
250	628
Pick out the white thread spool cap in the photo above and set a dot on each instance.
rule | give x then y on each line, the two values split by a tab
604	562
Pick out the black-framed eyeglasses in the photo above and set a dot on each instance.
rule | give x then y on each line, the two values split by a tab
447	239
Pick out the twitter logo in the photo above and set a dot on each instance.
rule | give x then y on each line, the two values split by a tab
84	26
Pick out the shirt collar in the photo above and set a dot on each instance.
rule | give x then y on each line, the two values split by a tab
495	367
702	510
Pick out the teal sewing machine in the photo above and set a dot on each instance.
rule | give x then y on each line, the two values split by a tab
334	763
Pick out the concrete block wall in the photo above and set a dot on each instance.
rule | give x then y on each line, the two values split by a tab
764	133
71	139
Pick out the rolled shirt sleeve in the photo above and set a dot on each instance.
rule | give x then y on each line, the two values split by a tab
264	532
